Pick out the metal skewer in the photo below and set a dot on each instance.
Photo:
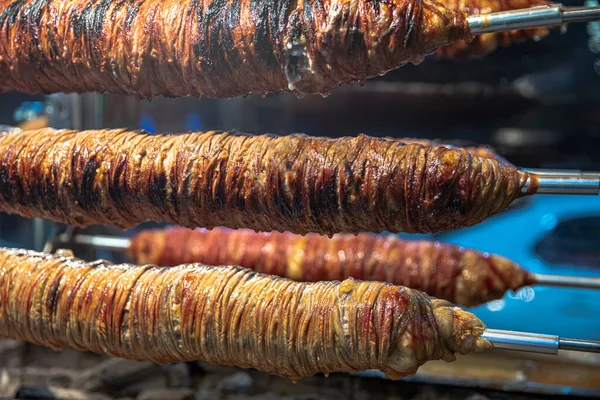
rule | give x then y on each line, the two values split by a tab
534	17
579	282
584	183
563	172
111	243
537	343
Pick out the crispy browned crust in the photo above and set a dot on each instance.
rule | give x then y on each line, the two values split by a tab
229	316
482	45
294	183
462	276
214	48
479	151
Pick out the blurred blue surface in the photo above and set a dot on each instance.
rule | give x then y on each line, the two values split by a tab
514	234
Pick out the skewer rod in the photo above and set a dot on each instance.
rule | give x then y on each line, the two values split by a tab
576	14
567	184
102	242
579	282
534	17
579	345
563	172
537	343
522	341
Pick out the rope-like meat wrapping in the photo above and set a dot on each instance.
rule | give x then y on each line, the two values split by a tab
462	276
479	151
484	44
292	183
214	48
229	316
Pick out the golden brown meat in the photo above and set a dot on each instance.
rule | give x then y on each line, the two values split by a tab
214	48
479	151
293	183
488	42
462	276
229	316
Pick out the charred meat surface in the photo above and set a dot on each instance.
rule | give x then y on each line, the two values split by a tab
228	316
462	276
293	183
214	48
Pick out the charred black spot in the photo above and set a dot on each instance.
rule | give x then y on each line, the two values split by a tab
86	20
173	198
270	19
18	191
88	196
75	24
219	33
30	17
11	12
220	192
74	165
232	20
4	182
355	40
90	22
5	174
98	17
132	13
331	195
115	190
413	15
53	43
157	190
50	197
286	209
33	12
36	192
52	296
196	6
323	198
376	5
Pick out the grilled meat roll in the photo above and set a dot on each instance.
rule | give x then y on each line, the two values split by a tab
292	183
486	43
462	276
228	316
214	48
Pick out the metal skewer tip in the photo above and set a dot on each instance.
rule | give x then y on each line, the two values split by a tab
567	184
537	343
534	17
588	346
101	242
563	172
578	282
580	14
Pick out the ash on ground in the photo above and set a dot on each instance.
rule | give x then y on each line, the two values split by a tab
37	373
